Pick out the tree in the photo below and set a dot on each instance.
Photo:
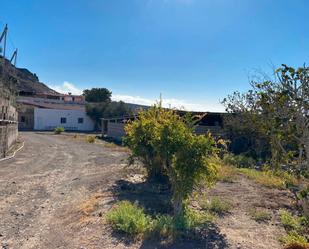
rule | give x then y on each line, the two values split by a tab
96	111
97	95
166	144
100	105
278	109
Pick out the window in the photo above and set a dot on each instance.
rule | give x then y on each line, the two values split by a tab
80	120
63	120
23	119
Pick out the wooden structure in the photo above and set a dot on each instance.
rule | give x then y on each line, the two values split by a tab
205	122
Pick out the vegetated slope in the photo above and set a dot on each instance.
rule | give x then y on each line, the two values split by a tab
26	81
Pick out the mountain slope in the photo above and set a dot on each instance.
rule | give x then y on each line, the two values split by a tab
27	83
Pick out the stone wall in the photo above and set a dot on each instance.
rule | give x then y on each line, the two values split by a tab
8	116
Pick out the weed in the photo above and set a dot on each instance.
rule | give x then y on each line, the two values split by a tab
172	227
260	215
90	139
132	220
294	241
226	173
265	178
59	130
217	206
295	227
129	218
292	222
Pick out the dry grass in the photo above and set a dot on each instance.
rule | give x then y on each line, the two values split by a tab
265	178
227	173
116	147
217	206
260	215
89	206
91	139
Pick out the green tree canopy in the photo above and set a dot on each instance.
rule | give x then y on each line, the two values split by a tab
277	109
166	144
97	95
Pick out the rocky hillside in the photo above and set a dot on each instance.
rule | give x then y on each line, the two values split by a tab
27	83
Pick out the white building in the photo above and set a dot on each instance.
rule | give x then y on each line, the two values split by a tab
71	120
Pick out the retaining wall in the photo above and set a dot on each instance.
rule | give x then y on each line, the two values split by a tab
8	119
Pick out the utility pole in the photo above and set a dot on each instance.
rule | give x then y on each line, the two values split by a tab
14	57
3	36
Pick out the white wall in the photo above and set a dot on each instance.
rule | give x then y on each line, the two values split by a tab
49	119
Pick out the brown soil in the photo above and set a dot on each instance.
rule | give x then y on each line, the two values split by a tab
55	192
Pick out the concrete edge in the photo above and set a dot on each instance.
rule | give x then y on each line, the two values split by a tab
12	156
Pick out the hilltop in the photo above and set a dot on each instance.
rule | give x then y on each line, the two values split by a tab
27	83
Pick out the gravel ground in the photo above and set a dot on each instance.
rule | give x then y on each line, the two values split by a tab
45	185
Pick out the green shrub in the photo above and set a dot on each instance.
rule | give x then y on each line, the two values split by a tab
172	227
166	144
90	139
292	238
296	229
59	130
131	219
240	161
128	218
260	215
292	222
217	206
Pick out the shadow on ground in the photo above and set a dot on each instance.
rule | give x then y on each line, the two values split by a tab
156	199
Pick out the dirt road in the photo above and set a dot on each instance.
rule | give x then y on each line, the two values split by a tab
43	190
56	190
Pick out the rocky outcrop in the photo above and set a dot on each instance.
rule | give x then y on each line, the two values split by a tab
26	82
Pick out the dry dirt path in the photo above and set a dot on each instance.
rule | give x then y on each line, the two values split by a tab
43	188
239	228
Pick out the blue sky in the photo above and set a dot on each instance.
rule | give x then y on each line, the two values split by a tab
194	52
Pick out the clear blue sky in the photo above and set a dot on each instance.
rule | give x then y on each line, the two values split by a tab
194	52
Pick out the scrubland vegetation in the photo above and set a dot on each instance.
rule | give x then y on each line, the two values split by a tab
59	130
266	143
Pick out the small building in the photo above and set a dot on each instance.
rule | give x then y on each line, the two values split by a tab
26	106
205	122
70	120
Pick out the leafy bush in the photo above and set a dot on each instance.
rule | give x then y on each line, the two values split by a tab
166	145
129	218
260	215
59	130
240	161
217	206
90	139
